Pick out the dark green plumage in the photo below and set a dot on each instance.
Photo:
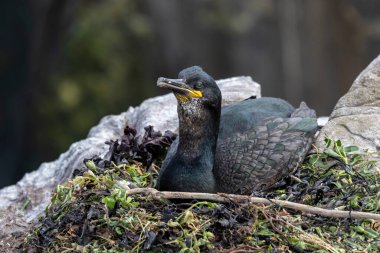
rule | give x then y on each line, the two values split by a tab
237	149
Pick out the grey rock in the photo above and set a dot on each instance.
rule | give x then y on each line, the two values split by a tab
36	187
355	119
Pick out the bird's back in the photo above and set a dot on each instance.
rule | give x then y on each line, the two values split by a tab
240	117
260	141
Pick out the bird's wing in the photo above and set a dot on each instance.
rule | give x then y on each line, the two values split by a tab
261	156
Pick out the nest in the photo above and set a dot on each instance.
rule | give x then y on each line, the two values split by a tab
103	209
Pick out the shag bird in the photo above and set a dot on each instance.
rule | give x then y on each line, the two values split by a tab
240	148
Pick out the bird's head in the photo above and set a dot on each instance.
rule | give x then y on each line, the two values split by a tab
193	86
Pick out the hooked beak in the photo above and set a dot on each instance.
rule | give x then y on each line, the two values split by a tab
181	89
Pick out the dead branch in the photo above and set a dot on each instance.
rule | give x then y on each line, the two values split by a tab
226	198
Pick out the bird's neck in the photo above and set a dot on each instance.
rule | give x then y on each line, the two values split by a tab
198	134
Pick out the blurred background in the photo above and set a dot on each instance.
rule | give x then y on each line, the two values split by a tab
64	64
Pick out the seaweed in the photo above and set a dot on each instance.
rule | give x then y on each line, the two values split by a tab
150	147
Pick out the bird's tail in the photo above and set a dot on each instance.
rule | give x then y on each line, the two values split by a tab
303	119
303	111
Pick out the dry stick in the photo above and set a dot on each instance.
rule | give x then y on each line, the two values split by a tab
226	198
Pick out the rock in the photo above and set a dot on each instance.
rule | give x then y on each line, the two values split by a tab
35	188
355	119
322	121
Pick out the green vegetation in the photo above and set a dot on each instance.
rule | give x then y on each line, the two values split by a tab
94	213
339	177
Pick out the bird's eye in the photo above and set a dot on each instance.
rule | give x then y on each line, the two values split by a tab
198	85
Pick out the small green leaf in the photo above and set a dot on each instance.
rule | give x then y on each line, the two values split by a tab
173	224
328	142
331	153
109	201
119	230
356	159
298	243
265	233
90	165
350	149
188	217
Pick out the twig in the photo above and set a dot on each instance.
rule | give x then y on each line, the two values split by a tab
226	198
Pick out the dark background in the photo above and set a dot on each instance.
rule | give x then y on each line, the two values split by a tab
66	63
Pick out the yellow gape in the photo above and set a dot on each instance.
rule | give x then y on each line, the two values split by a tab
191	94
195	93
